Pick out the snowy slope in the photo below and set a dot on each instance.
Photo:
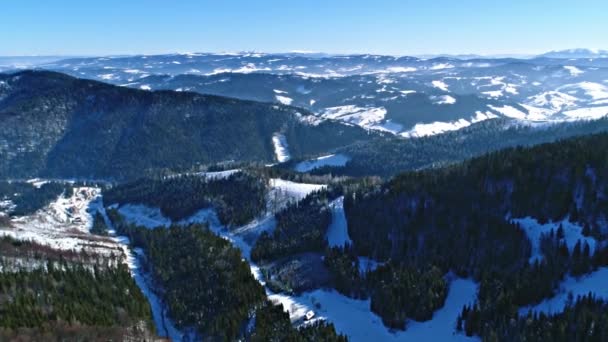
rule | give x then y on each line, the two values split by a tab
337	233
64	224
281	149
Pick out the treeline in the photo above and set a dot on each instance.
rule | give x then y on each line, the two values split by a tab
237	199
28	199
388	156
202	278
301	227
207	284
69	299
272	324
15	254
583	319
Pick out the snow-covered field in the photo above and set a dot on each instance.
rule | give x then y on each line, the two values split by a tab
330	160
293	190
368	117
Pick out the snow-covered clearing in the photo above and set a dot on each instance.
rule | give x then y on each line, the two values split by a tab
553	99
337	233
574	71
354	318
438	127
443	99
281	148
594	282
330	160
534	230
587	113
37	182
65	224
440	85
295	191
360	116
595	91
284	99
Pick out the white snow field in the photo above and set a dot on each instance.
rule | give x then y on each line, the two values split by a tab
293	190
594	282
281	148
534	230
329	160
284	99
440	85
337	233
366	117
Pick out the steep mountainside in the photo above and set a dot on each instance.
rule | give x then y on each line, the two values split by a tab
57	126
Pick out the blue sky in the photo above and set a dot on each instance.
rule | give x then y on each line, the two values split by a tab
400	27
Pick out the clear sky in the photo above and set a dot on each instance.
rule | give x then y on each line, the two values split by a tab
399	27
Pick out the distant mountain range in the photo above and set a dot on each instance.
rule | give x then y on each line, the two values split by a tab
406	96
577	53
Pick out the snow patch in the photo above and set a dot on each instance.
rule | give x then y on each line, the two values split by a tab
443	100
284	99
366	117
574	71
440	85
281	148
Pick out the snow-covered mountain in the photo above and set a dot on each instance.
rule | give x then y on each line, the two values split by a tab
576	53
407	96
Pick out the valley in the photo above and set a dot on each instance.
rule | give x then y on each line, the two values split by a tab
304	197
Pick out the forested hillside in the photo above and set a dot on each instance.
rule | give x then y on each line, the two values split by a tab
388	156
237	198
67	298
209	287
458	219
55	125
